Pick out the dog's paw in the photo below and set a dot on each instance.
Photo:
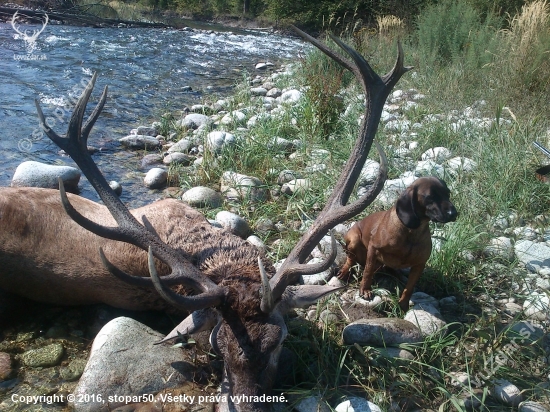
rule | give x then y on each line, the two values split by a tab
343	276
367	294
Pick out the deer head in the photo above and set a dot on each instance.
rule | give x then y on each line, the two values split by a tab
233	294
30	39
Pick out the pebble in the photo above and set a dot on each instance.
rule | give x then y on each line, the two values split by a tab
506	393
355	404
49	355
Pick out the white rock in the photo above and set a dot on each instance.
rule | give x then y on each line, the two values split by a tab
537	306
233	223
217	140
122	362
235	117
140	142
201	196
296	186
426	317
356	404
194	121
506	392
458	165
437	154
36	174
155	178
290	96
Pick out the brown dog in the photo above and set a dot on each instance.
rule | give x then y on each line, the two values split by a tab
400	237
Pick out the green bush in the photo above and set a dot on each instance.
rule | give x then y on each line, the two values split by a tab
454	30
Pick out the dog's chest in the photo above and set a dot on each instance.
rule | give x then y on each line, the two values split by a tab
409	248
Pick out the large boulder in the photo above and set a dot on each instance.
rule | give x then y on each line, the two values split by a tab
36	174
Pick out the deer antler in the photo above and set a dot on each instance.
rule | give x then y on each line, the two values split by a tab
129	229
336	209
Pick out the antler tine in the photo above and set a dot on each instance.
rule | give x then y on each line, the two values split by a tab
129	230
337	210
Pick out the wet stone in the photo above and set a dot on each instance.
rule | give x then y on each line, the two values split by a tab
5	366
49	355
73	370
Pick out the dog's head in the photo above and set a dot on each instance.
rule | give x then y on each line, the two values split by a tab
426	198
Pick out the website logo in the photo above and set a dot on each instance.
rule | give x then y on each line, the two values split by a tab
29	38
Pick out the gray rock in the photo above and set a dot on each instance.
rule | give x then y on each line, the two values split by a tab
182	145
421	298
238	186
356	404
530	406
151	159
525	332
36	174
281	145
138	142
201	196
217	140
155	178
194	121
392	189
258	91
233	223
381	332
506	393
124	361
500	247
177	158
264	226
49	355
312	404
274	93
535	256
427	318
147	130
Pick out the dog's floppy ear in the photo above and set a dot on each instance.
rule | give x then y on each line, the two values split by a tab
406	208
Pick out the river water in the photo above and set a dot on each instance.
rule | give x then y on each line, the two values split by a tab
147	72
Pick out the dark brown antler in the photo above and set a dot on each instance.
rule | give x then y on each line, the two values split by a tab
337	210
129	229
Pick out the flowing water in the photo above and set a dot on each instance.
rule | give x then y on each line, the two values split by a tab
148	72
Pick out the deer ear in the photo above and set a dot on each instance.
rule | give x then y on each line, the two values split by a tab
406	208
304	295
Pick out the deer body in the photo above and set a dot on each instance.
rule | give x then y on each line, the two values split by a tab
48	257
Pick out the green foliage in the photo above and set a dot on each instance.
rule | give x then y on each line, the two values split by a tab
452	30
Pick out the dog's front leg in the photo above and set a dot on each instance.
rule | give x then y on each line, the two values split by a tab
414	275
371	265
